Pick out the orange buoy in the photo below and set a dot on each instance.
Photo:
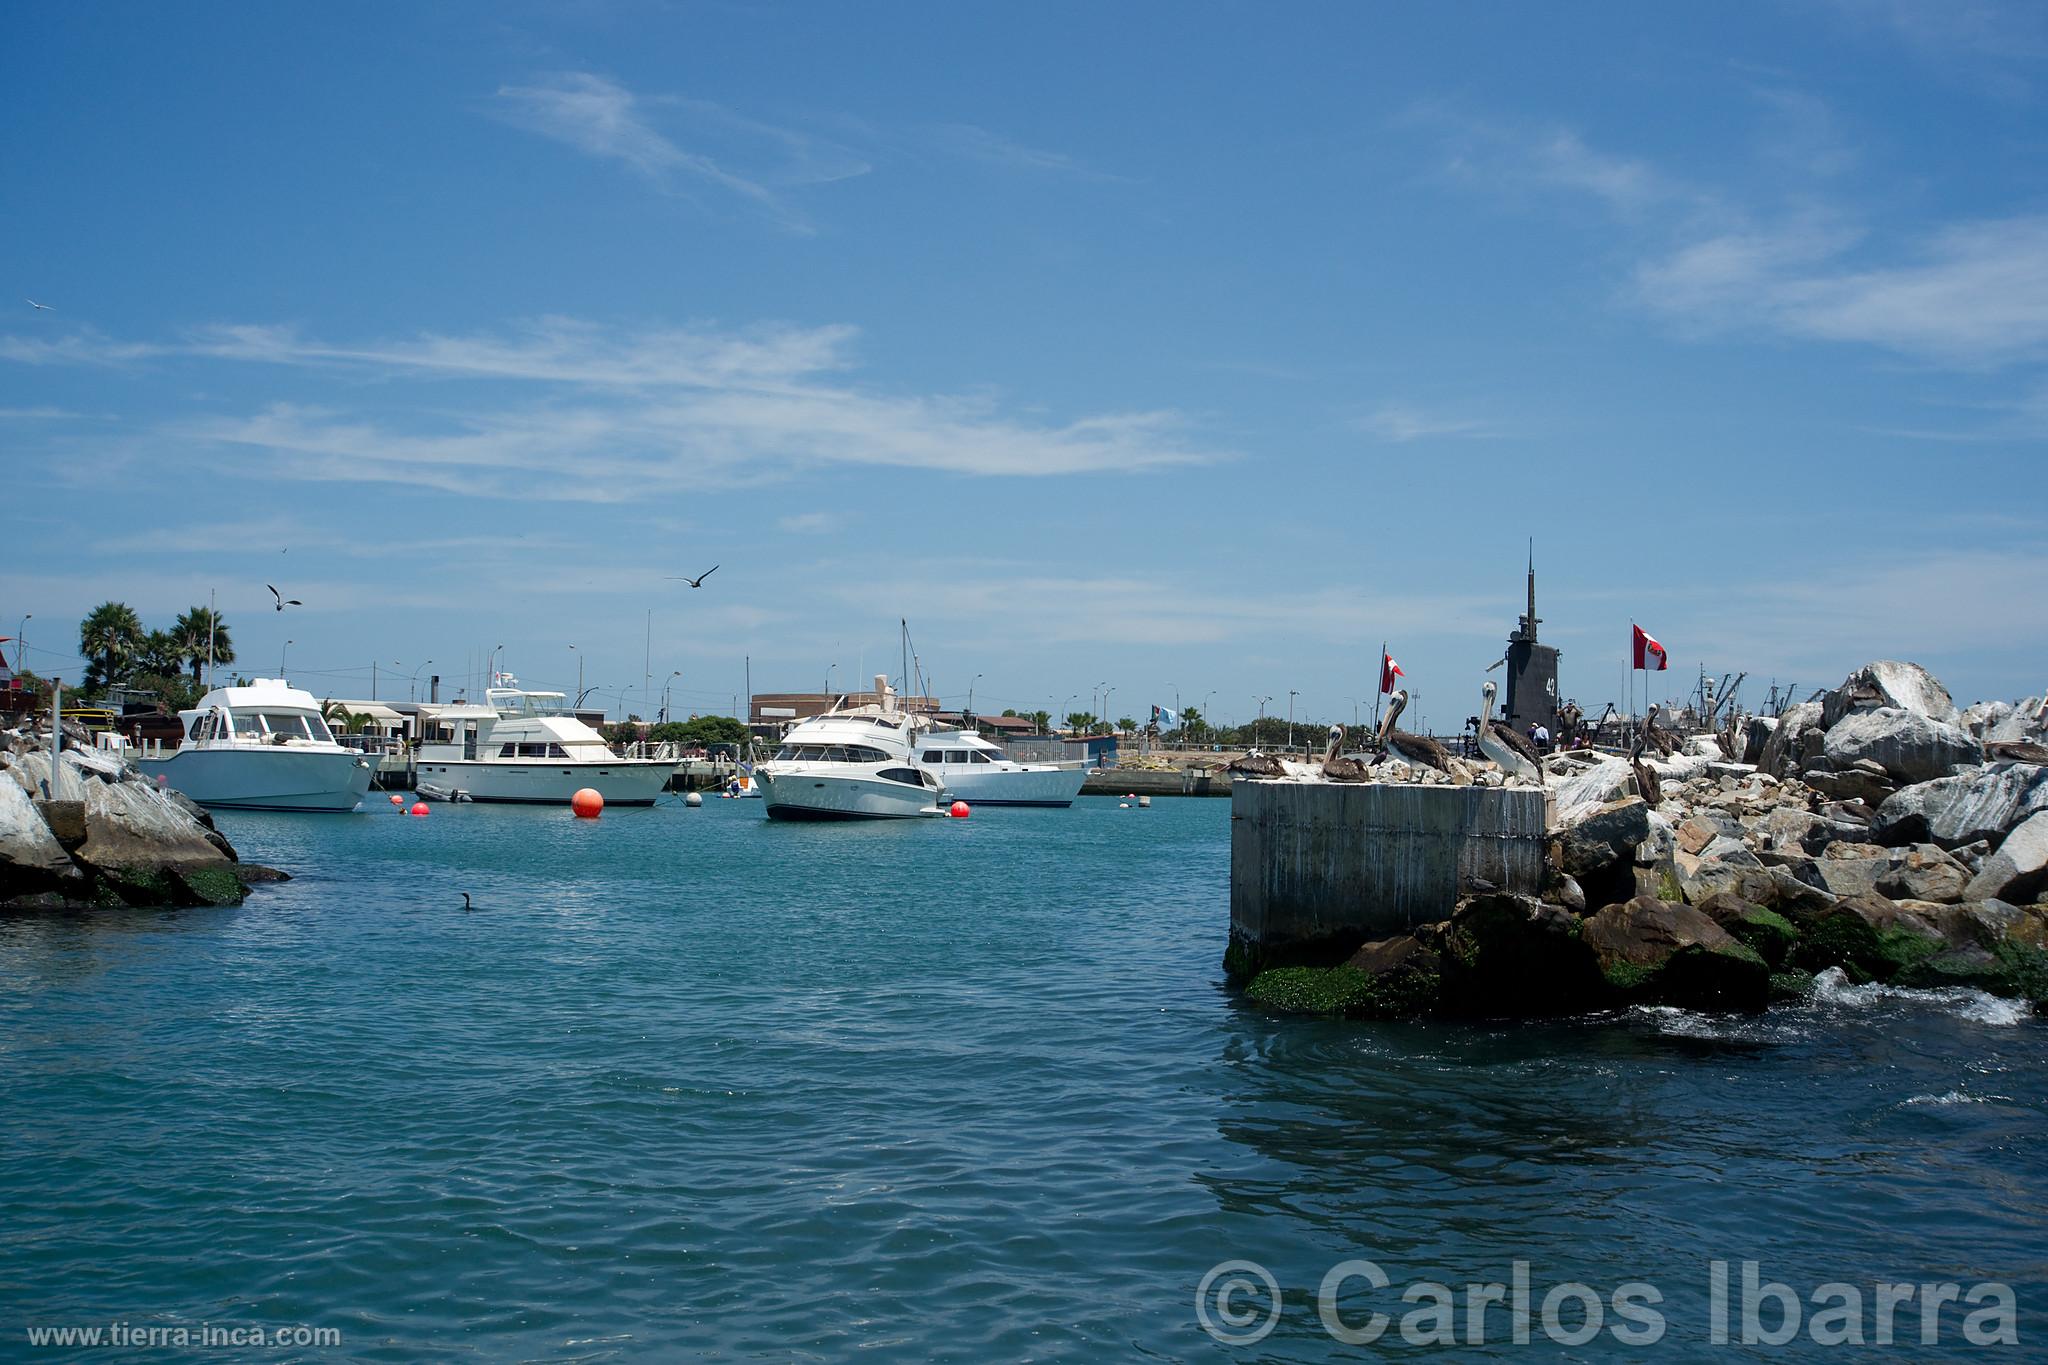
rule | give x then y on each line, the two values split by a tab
419	808
397	800
587	802
959	810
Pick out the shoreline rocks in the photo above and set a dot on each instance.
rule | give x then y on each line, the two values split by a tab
94	834
1871	837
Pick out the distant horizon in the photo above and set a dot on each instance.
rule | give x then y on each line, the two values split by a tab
1269	338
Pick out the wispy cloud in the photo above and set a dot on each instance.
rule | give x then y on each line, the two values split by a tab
980	144
1401	424
1977	292
603	119
806	523
565	409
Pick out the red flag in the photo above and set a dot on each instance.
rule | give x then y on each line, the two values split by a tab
1389	670
1649	654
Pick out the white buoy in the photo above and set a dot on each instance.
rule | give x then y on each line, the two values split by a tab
1144	803
694	799
1123	805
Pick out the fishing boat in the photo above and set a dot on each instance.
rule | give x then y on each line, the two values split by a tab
259	747
528	748
854	763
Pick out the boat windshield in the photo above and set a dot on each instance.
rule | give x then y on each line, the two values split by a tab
508	702
276	725
830	753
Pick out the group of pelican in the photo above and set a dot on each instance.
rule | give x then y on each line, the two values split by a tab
1511	751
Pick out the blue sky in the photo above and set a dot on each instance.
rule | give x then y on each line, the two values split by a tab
1188	349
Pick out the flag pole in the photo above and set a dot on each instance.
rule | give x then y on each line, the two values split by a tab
1380	688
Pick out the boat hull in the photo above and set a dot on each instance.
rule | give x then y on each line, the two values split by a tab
264	779
624	783
983	785
823	796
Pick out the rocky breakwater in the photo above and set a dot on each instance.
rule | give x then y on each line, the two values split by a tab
1878	832
95	833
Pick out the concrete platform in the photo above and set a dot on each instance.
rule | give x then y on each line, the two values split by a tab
1318	868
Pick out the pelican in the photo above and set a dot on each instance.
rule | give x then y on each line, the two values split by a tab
1515	755
1338	768
1647	785
282	600
1256	764
1417	751
696	582
1664	743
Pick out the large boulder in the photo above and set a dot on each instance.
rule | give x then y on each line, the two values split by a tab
150	851
1982	803
1510	955
1924	872
2018	871
1797	737
1869	937
31	859
1889	683
1592	787
1756	734
1769	933
1657	951
1908	746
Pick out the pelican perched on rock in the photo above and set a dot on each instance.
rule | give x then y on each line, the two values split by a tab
1417	751
1336	767
1255	764
1665	743
1515	754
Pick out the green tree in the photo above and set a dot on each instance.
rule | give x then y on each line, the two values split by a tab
159	655
1126	725
1080	720
108	637
191	630
339	717
1042	719
1010	712
1191	724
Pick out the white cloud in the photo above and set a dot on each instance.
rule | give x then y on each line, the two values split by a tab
979	144
1401	424
1978	293
566	409
804	523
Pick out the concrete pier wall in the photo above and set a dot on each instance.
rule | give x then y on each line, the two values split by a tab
1318	868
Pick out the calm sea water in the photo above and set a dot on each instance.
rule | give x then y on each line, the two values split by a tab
688	1084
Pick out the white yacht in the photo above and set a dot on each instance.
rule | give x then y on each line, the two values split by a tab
856	764
981	774
527	747
260	747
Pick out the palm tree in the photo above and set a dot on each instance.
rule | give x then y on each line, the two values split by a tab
160	655
108	637
191	630
1191	722
1042	719
1080	720
1126	725
339	717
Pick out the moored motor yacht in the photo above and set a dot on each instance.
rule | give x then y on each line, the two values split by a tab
854	764
529	748
981	774
259	747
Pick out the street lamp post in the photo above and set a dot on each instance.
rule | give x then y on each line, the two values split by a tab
664	693
281	657
1106	691
970	694
413	682
579	673
1291	695
21	641
1262	720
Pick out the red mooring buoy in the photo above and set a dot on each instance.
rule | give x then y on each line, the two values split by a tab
588	802
419	808
959	810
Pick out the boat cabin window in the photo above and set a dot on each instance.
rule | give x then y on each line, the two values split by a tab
979	756
956	755
910	775
830	753
934	756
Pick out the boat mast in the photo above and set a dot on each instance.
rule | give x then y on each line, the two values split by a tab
212	617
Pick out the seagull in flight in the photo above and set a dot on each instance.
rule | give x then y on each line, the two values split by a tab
282	600
44	306
696	582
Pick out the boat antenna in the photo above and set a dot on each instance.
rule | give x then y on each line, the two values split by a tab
212	617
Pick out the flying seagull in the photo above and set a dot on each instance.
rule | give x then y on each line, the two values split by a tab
696	582
282	600
44	306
